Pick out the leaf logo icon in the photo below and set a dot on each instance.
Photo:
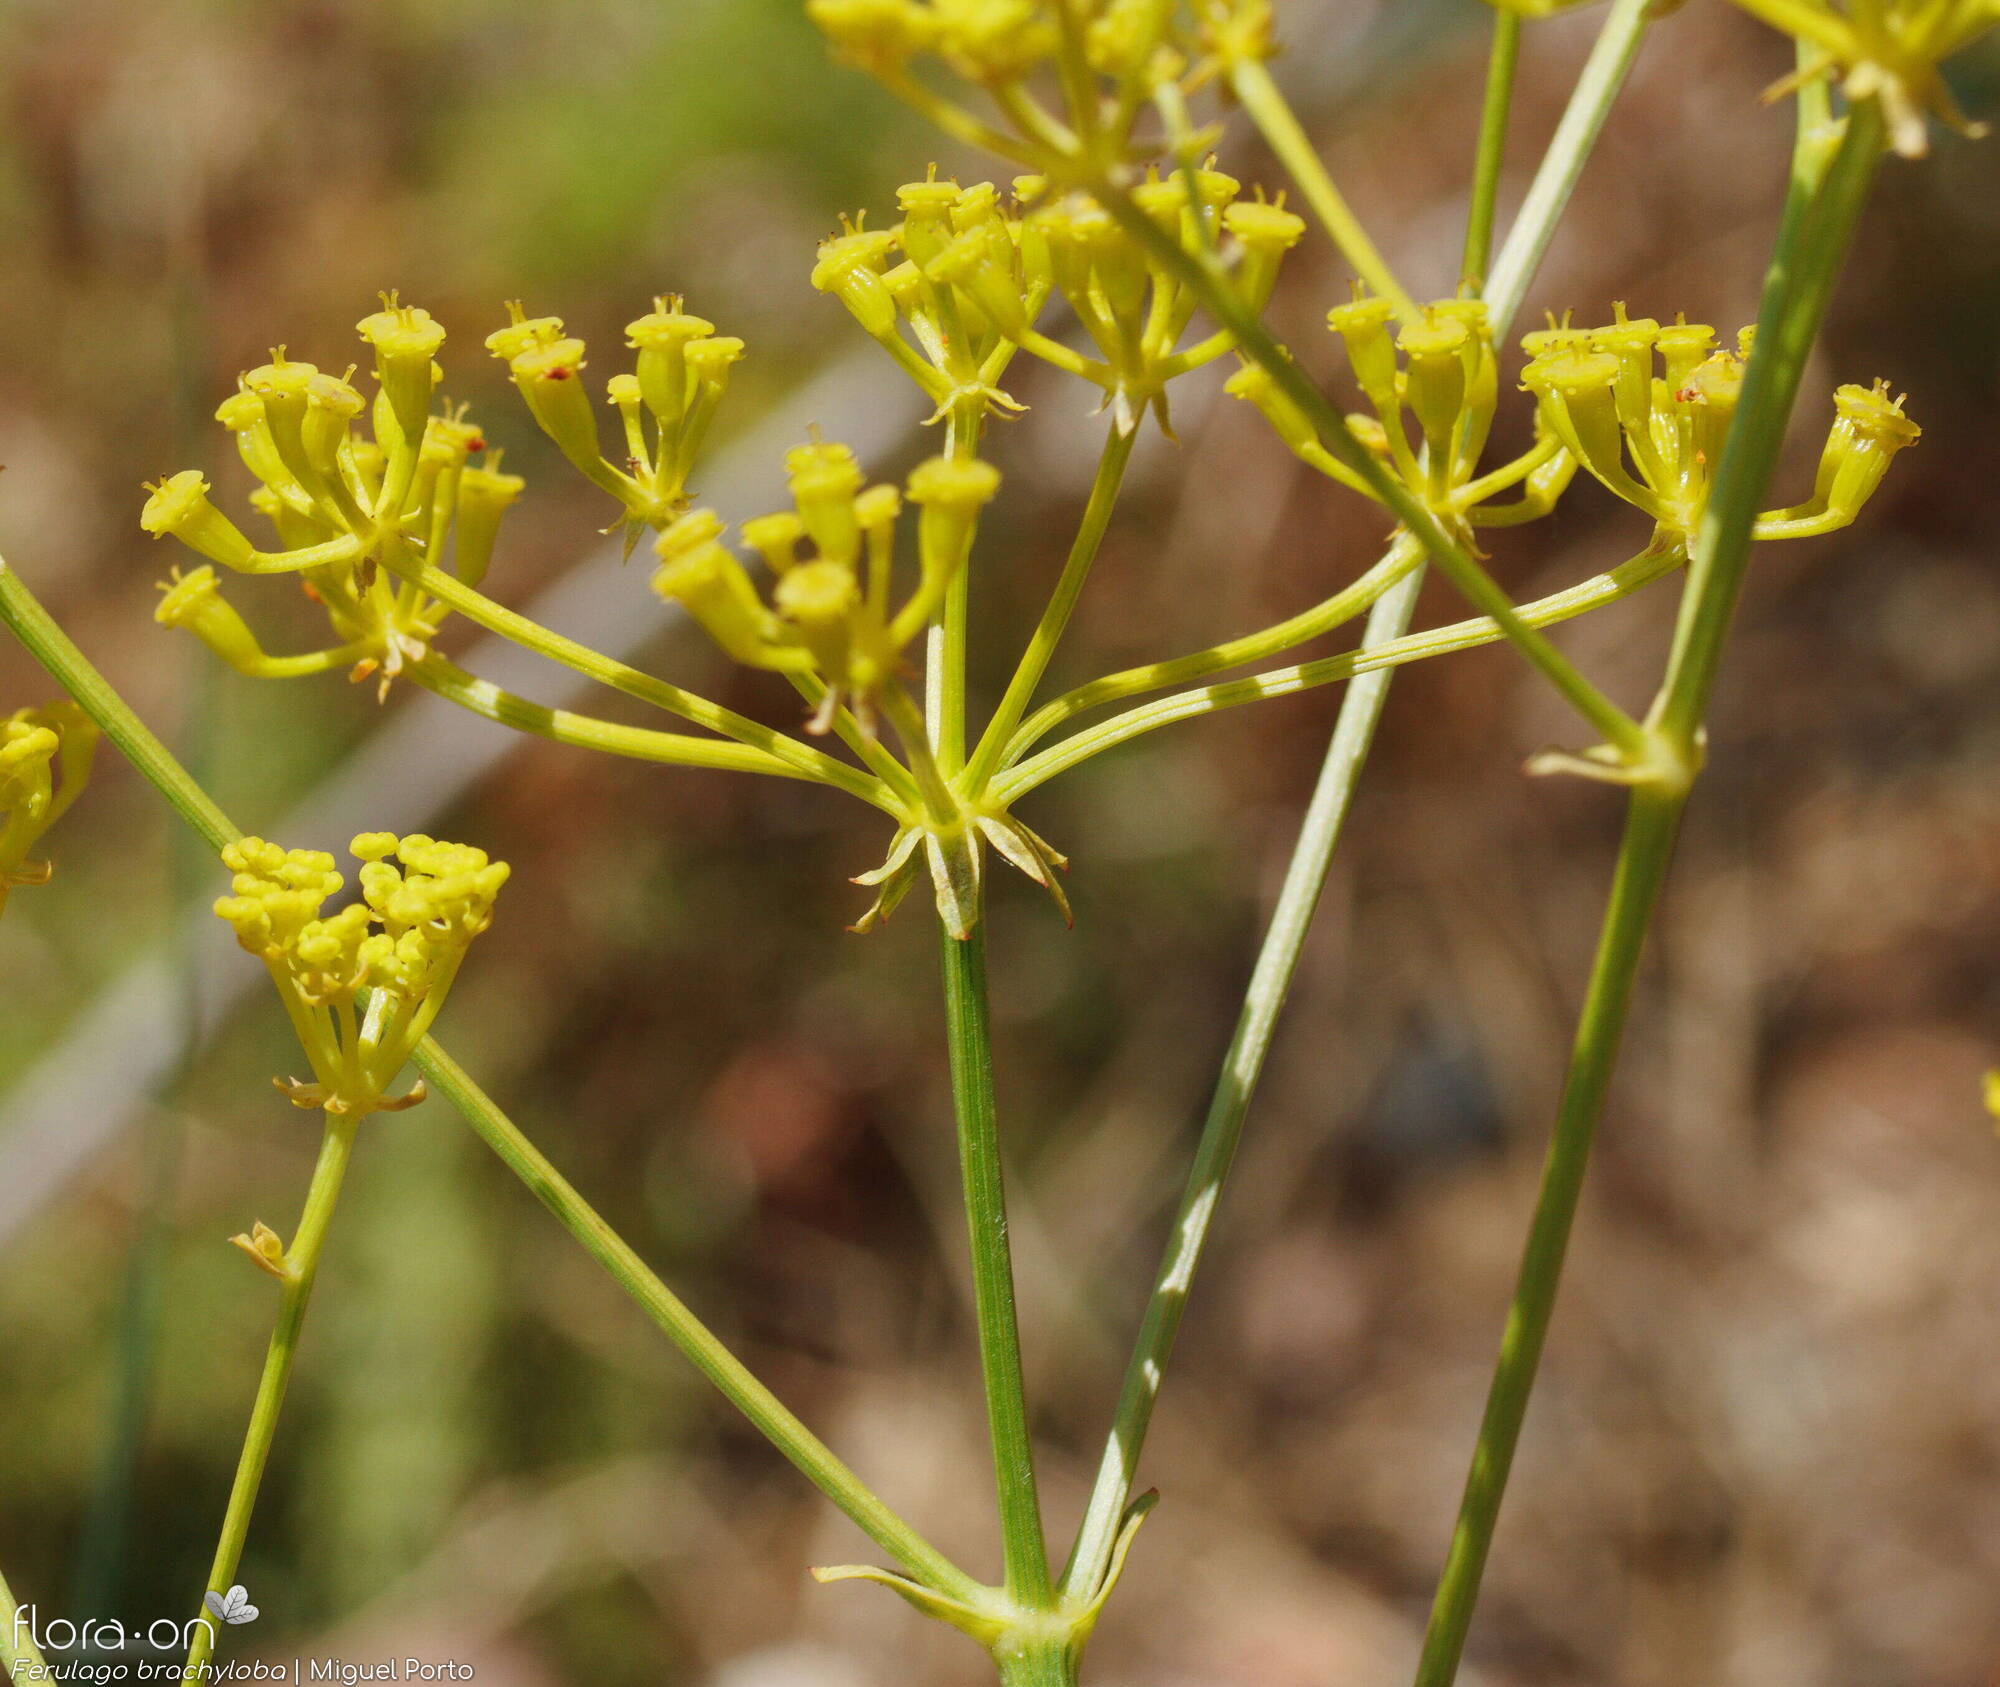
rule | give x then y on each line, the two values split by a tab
233	1607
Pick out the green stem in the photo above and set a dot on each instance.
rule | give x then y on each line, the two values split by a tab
55	650
18	1652
966	1024
1222	1130
1564	605
1820	212
516	628
302	1267
587	732
703	1348
1500	64
1045	1663
1034	663
1277	959
1282	133
1642	866
1603	74
68	666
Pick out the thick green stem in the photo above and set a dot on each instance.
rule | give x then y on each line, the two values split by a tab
18	1652
1500	63
966	1025
1222	1130
702	1347
1046	1663
1034	663
1819	218
301	1268
1642	866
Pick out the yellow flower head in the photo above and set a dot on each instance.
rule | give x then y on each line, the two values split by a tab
45	757
362	984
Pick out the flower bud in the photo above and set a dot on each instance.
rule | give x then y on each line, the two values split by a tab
195	602
661	338
824	479
1253	384
331	405
406	340
951	492
878	35
850	267
926	208
522	333
711	585
484	496
548	378
1363	327
1435	348
775	538
179	505
821	599
1265	233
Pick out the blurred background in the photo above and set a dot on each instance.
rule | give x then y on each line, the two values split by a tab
1767	1444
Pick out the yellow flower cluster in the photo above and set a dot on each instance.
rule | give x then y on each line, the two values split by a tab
968	274
362	984
349	485
45	757
1432	387
831	611
1646	408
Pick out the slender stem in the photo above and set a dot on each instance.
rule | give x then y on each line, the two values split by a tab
1222	1130
702	1347
1351	600
1275	121
302	1267
54	649
639	743
18	1652
1642	866
1500	63
1821	208
516	628
1603	74
1564	605
966	1024
944	677
1305	875
1034	663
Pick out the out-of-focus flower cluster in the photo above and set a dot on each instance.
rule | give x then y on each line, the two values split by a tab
45	757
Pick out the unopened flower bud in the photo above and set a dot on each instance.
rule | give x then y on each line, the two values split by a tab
179	505
824	478
195	602
406	339
484	496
